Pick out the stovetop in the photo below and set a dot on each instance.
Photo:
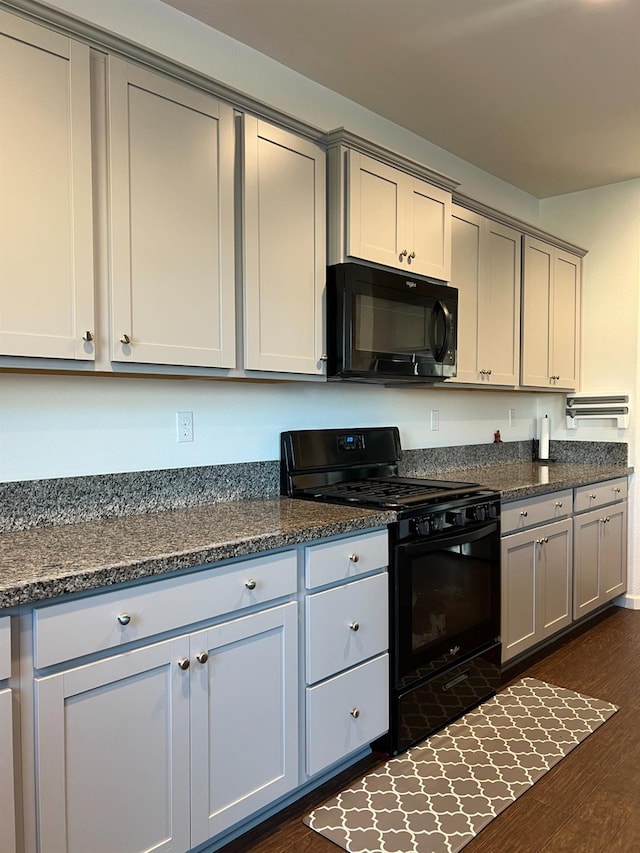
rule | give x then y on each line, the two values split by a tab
389	492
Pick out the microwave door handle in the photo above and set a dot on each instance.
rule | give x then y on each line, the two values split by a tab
440	352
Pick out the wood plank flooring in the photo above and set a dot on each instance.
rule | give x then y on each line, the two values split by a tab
589	803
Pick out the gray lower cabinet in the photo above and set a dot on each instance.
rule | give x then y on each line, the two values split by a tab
7	792
600	535
536	585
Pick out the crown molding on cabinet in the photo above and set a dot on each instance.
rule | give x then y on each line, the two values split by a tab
105	41
511	221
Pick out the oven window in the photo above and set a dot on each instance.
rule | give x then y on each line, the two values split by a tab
390	327
450	595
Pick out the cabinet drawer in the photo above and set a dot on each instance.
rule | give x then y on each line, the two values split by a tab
346	625
345	558
5	647
528	512
346	713
599	494
84	626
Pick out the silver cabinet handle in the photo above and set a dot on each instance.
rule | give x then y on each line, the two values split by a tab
183	663
403	253
593	497
125	339
324	357
250	584
88	336
202	657
558	503
355	558
355	713
124	618
524	513
355	626
412	255
617	490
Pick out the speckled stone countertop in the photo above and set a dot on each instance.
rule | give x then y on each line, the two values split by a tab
48	562
522	479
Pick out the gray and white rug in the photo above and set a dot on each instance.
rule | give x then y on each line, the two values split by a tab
437	796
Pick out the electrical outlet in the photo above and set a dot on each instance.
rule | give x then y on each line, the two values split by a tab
184	426
435	419
512	417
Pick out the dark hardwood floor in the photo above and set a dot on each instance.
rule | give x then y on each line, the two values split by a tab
589	803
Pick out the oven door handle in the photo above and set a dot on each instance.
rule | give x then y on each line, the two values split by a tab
428	544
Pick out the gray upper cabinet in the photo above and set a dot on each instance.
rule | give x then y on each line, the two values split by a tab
485	268
46	222
283	250
171	155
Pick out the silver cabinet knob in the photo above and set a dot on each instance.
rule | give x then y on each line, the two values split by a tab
355	626
593	497
202	657
617	490
124	618
558	503
88	336
183	663
250	584
412	255
524	513
403	253
355	713
324	357
354	558
125	339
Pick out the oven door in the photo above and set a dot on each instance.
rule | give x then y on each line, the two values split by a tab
447	600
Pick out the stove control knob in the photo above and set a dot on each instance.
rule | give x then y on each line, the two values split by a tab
477	513
437	522
492	511
457	519
423	527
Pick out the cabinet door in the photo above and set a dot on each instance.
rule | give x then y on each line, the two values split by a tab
284	250
171	196
587	583
565	320
7	793
499	306
518	593
428	229
46	231
554	576
112	751
244	718
466	273
375	211
537	299
613	551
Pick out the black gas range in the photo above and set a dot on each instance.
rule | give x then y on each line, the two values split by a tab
444	570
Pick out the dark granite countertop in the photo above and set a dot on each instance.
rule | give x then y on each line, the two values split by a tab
522	479
44	563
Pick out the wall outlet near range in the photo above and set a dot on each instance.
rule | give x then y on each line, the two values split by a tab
435	419
184	426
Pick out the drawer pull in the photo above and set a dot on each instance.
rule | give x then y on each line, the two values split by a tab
524	513
202	657
355	558
617	490
559	503
457	680
355	626
183	663
355	713
250	584
593	497
124	618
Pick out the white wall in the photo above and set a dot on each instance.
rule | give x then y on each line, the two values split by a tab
56	426
607	220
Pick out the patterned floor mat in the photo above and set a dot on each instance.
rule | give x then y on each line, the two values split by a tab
437	796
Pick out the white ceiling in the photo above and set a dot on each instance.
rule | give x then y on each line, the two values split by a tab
544	94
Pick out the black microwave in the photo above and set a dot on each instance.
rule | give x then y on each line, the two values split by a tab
385	326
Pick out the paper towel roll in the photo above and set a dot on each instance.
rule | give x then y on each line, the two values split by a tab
543	445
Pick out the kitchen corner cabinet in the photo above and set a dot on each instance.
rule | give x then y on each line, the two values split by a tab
551	306
394	218
177	739
7	788
600	534
171	156
485	268
46	225
537	571
283	243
